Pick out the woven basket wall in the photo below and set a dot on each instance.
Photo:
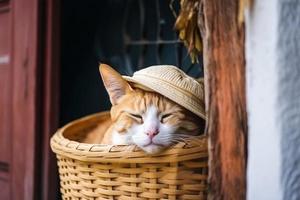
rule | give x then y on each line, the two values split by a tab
96	171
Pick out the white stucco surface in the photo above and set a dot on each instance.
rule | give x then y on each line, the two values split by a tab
264	158
289	96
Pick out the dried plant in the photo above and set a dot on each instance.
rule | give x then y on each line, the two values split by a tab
243	4
187	26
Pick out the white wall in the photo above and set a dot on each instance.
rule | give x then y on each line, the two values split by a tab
262	80
273	99
289	96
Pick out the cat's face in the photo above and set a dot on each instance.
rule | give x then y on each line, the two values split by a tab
146	119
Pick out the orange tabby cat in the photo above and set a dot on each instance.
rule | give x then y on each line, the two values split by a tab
146	119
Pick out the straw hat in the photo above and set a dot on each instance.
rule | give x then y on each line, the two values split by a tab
174	84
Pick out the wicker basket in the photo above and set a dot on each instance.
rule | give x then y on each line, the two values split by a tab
96	171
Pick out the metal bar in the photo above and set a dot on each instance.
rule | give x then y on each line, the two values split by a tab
128	67
142	26
158	29
148	42
125	19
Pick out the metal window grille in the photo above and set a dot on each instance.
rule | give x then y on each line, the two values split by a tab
145	29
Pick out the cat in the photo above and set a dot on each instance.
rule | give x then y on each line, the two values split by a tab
146	119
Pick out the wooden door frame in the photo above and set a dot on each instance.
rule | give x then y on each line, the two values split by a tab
25	89
50	102
35	61
5	99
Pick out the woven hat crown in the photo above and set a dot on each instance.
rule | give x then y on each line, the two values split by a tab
173	83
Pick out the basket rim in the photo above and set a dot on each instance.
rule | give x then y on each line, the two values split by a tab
62	146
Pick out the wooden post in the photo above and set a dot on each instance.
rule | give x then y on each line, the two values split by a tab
224	63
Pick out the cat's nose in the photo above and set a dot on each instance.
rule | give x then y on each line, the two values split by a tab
152	133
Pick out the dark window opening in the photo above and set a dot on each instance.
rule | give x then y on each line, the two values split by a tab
127	34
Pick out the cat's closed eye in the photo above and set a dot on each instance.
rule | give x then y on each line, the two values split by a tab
165	117
135	116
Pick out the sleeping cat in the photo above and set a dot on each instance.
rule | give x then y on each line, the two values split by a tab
146	119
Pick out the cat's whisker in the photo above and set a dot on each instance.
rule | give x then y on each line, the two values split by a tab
183	135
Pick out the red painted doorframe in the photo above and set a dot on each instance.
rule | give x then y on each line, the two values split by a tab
35	61
5	100
25	99
50	99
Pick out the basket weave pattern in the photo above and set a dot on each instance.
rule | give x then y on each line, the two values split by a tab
97	171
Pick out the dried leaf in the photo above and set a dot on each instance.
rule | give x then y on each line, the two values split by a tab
243	4
187	26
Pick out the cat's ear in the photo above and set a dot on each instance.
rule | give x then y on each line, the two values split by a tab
115	85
